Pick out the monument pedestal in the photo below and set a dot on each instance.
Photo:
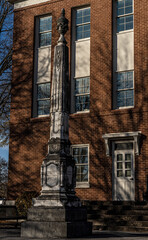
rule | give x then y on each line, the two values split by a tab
56	222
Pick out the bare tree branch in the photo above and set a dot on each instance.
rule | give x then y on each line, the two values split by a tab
6	25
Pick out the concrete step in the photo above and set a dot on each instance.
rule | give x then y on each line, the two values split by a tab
116	211
118	216
113	227
128	228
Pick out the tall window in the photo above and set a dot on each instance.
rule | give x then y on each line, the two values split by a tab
124	52
80	155
81	60
124	15
43	66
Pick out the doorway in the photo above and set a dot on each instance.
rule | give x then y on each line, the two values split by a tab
123	171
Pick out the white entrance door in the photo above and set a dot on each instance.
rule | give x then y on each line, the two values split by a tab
123	172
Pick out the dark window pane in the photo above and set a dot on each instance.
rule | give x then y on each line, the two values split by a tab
44	90
128	10
128	2
119	165
82	103
75	151
45	24
127	173
45	39
86	19
84	151
124	80
120	3
82	29
79	17
123	146
119	173
128	157
119	157
128	165
43	107
84	173
129	26
86	12
81	158
120	11
76	159
120	24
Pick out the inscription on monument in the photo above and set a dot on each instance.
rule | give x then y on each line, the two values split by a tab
52	175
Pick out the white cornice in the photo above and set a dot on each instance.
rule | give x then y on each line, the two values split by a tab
122	135
25	3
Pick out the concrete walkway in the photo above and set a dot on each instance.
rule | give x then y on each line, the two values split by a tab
14	234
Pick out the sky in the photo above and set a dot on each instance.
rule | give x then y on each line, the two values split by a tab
4	151
6	39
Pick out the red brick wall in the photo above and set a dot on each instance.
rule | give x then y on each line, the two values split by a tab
29	137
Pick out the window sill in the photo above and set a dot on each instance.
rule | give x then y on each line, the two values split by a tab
40	118
81	112
42	47
125	31
83	185
123	108
82	39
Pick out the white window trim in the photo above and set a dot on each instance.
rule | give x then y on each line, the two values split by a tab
26	3
82	184
82	40
109	137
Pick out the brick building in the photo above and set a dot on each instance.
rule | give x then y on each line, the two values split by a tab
108	62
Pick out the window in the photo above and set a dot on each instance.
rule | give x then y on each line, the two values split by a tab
80	61
124	15
125	91
45	27
43	98
82	97
83	23
80	154
42	71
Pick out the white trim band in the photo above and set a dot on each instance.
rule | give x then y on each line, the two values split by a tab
26	3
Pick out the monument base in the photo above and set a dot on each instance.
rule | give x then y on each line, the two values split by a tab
56	222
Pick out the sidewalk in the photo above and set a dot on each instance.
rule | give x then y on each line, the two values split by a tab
14	234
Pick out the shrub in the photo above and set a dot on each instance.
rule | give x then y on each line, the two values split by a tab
24	201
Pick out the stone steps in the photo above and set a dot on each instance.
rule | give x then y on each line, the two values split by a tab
118	216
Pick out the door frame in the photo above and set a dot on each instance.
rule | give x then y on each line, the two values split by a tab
113	166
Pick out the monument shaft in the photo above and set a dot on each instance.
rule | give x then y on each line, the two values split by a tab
57	212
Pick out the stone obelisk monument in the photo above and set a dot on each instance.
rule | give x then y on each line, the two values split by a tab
57	212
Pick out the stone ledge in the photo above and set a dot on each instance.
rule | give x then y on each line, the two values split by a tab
38	230
57	214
